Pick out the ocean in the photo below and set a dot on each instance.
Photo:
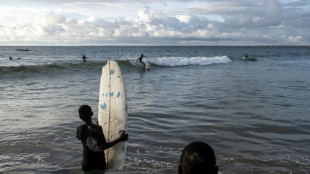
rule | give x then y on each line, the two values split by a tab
255	114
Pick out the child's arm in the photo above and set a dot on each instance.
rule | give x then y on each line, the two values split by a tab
103	145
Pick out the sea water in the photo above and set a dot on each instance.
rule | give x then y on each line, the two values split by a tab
255	114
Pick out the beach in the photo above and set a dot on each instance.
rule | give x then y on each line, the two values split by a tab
255	114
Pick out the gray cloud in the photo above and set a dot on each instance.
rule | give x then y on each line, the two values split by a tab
220	22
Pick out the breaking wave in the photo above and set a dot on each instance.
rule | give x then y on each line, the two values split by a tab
127	62
183	61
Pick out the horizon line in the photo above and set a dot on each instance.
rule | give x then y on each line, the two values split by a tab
153	45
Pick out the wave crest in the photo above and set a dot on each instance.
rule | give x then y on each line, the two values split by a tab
163	61
183	61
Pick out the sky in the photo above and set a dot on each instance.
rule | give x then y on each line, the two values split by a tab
154	22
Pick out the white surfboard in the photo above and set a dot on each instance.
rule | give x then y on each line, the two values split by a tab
112	112
147	65
144	67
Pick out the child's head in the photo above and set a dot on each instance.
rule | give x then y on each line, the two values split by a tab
198	157
85	112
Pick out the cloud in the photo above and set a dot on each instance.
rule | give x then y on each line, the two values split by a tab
272	13
243	14
161	22
295	39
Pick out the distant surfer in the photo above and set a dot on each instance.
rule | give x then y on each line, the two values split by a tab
246	56
84	58
94	142
140	60
11	58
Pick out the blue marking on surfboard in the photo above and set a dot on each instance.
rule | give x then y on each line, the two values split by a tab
111	94
118	94
112	71
103	106
119	76
106	94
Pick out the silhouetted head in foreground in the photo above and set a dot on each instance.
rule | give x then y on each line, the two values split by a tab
198	158
85	113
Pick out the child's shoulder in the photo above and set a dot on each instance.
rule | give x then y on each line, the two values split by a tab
80	127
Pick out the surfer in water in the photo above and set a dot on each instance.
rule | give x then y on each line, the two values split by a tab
246	56
11	58
198	157
84	58
140	60
93	141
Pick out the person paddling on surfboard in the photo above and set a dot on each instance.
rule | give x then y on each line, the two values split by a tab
140	60
94	142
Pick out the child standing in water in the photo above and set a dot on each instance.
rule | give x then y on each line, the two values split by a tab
94	142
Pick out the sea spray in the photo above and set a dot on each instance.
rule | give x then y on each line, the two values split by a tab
183	61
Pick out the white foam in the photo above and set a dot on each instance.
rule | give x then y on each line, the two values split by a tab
181	61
